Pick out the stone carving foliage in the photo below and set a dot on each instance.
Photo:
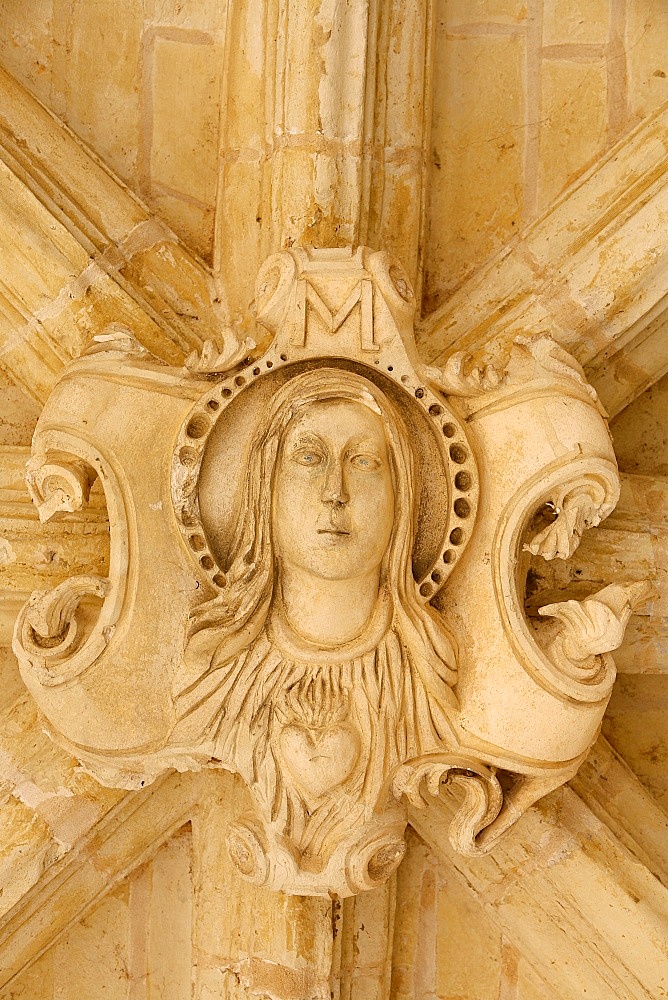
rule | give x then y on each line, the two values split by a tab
314	573
50	626
590	629
575	511
57	485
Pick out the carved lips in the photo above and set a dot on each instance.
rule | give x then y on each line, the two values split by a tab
334	525
320	759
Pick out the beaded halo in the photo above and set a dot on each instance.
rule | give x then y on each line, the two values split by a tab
217	432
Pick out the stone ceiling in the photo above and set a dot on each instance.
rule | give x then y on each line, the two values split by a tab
521	177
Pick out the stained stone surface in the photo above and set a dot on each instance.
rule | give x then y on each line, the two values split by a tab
510	154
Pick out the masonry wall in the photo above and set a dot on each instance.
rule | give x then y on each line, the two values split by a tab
140	82
136	943
527	94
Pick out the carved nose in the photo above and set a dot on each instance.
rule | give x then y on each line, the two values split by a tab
334	489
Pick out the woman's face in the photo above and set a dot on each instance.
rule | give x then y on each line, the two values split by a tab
333	504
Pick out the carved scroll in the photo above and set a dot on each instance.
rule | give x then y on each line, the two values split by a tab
57	485
555	360
459	376
302	588
576	510
49	628
592	628
220	355
483	796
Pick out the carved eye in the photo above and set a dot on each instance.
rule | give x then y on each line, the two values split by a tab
308	457
365	462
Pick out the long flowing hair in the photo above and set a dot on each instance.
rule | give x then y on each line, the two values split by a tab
226	625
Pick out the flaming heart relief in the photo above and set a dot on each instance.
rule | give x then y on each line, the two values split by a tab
316	573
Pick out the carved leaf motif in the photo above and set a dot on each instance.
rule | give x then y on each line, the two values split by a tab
220	356
483	799
593	626
120	338
554	359
57	486
49	626
483	796
560	539
456	378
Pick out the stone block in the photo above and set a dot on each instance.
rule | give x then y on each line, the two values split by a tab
11	685
476	177
573	116
18	415
459	12
244	220
646	55
471	965
640	432
92	959
635	726
364	930
41	259
169	924
247	114
528	986
569	22
26	42
294	205
101	80
185	90
403	67
193	222
206	15
27	849
33	983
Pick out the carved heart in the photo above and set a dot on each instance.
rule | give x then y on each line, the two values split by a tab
320	759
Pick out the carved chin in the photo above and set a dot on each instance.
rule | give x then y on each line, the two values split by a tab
338	557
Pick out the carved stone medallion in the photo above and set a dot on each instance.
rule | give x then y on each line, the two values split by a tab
316	574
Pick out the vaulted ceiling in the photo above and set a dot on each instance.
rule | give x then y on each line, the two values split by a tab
513	156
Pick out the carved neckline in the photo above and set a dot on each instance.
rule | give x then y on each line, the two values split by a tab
296	647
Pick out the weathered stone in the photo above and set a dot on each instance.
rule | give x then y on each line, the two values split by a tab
556	869
244	128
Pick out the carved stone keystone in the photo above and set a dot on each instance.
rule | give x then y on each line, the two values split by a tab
317	573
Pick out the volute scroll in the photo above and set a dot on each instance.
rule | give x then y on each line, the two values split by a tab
60	633
65	639
50	626
577	507
316	573
581	491
58	483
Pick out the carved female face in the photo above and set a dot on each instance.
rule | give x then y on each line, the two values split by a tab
333	504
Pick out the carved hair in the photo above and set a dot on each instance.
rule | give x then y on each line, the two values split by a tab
225	625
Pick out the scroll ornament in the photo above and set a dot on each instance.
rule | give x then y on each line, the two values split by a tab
314	573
